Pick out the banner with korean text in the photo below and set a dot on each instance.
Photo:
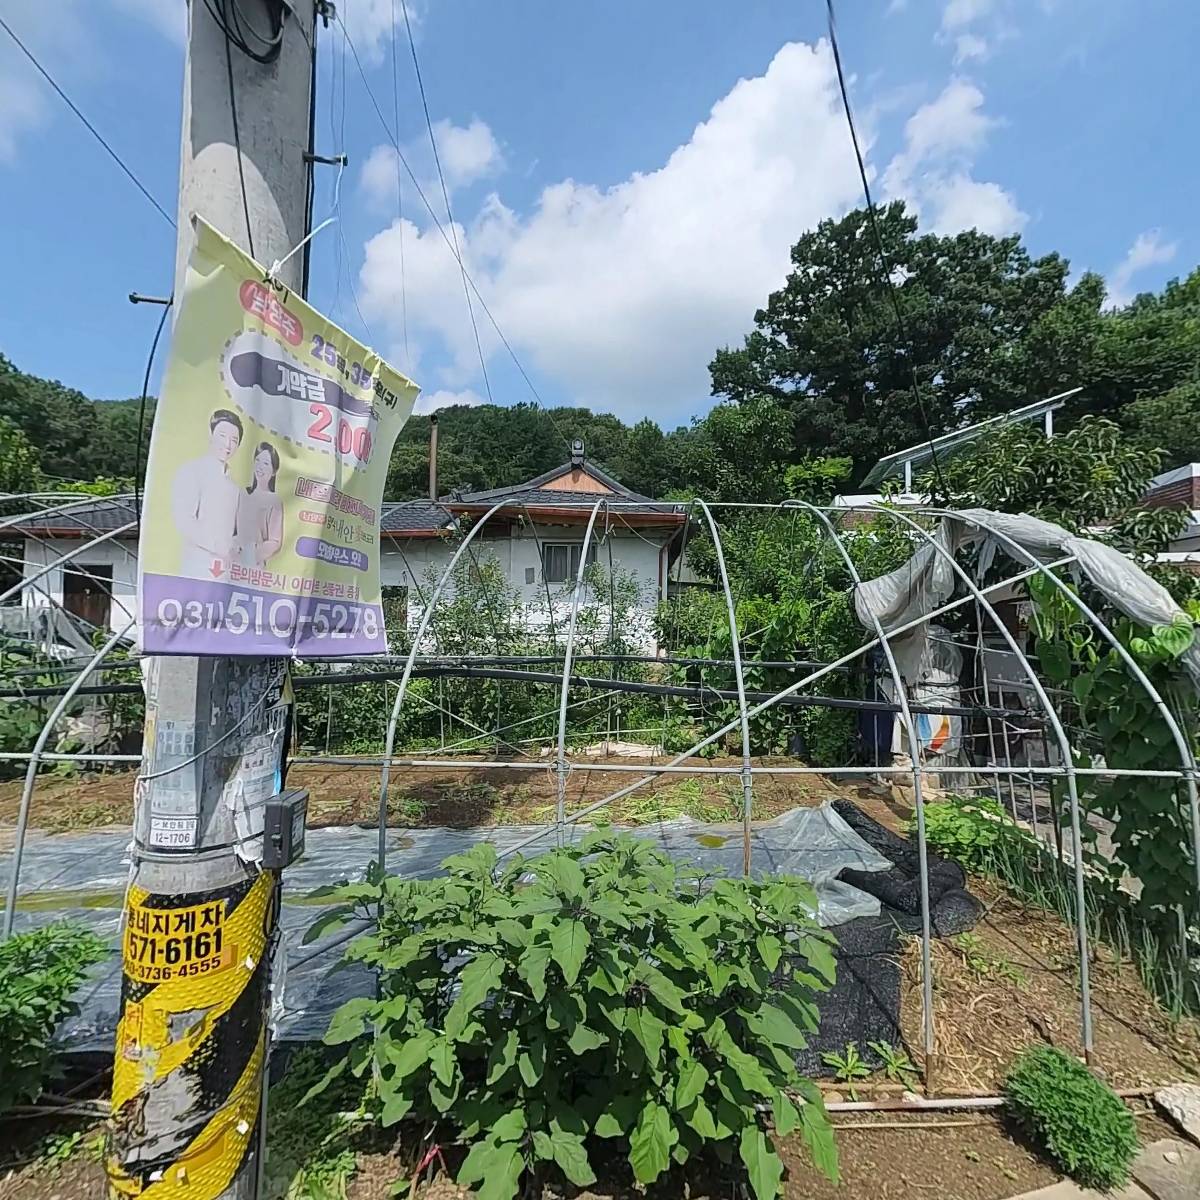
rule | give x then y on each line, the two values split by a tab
271	442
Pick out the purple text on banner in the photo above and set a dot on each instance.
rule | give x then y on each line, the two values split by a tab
200	616
330	552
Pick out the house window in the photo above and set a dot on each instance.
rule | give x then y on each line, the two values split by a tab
87	593
560	561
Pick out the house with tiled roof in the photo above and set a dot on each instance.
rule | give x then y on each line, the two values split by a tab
533	530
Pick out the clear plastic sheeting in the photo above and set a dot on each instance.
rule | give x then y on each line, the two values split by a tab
927	579
83	877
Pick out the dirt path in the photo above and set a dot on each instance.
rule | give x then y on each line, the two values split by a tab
458	798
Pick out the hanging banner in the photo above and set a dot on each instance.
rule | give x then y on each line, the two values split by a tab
271	442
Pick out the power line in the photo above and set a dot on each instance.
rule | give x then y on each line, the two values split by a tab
237	137
885	264
87	124
399	196
137	460
437	161
446	238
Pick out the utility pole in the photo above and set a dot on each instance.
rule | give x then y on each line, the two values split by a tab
192	1040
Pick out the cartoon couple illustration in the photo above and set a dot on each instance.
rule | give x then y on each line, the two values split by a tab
220	521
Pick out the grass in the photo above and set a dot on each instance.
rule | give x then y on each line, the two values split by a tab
86	816
311	1148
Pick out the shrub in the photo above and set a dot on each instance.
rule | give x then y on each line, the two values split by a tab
971	831
1080	1122
39	972
599	991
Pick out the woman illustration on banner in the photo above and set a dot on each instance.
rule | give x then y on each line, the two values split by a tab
260	510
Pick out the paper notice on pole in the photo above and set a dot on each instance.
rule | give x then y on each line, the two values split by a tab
253	778
270	448
175	797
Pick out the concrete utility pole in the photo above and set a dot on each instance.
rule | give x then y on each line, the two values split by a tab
200	919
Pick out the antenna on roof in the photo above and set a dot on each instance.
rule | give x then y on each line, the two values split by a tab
577	452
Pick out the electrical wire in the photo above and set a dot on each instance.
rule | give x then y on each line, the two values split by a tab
229	18
137	459
237	136
399	195
87	124
541	404
437	162
885	264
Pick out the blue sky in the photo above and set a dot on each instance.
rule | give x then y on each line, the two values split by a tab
626	178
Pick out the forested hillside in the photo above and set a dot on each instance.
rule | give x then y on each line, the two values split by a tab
823	373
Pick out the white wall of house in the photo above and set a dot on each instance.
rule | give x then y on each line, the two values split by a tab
119	554
637	554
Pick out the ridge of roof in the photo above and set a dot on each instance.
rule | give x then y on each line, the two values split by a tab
532	485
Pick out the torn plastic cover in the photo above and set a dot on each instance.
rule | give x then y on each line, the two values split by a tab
83	877
927	580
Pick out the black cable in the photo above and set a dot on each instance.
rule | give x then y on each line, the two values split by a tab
399	194
446	238
137	459
885	264
229	20
437	161
87	124
237	136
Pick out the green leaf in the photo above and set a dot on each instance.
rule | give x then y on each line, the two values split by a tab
442	1061
690	1083
572	1158
476	981
583	1039
701	1120
1176	638
762	1163
333	919
497	1169
773	1025
786	1115
649	1144
649	1031
819	956
1055	660
414	1053
543	1147
819	1136
510	1126
532	1062
532	969
607	1126
563	874
502	1056
396	1106
569	941
770	949
348	1022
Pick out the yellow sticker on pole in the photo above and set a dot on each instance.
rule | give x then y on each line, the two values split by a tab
163	944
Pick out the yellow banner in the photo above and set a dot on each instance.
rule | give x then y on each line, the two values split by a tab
271	442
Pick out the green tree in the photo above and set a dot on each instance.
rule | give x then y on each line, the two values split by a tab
826	347
20	468
1169	423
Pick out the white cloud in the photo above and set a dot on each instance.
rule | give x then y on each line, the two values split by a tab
22	105
1148	250
932	171
433	401
968	46
621	294
468	153
169	17
960	13
369	24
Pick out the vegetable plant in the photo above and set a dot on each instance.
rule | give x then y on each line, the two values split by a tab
848	1067
39	973
897	1066
529	1008
1078	1120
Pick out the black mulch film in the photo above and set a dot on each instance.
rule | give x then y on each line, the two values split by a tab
864	1004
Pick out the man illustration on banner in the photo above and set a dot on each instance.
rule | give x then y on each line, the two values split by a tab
204	501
